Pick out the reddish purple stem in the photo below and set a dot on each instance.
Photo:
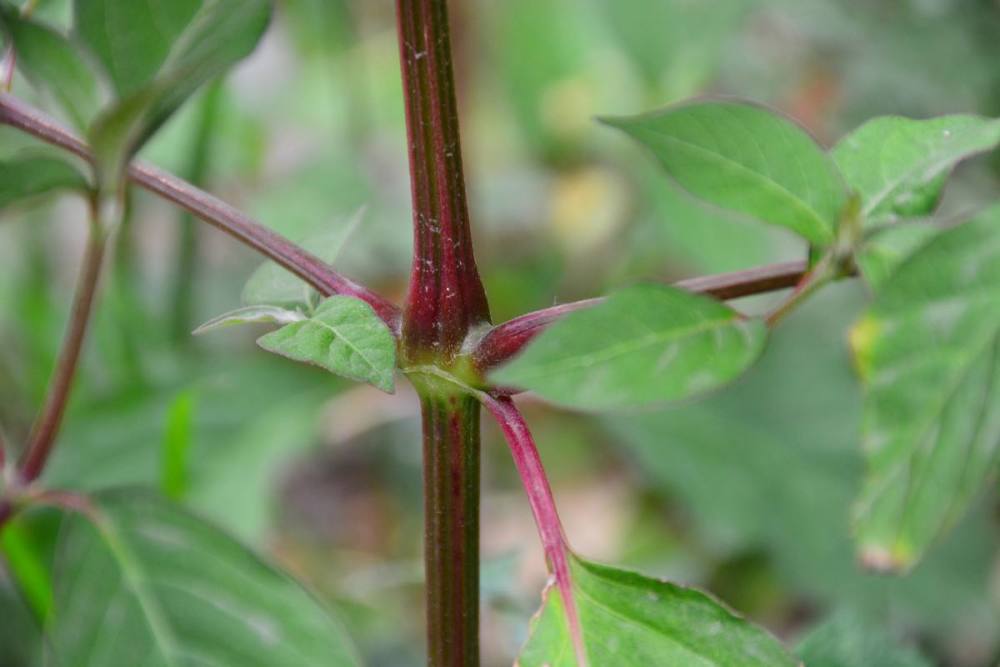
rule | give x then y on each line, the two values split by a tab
211	209
507	339
543	506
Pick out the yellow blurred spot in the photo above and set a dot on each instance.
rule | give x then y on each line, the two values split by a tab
587	207
862	339
567	108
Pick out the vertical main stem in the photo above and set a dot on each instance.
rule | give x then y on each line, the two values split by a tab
446	297
445	301
451	548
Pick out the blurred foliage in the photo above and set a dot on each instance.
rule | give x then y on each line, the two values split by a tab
747	493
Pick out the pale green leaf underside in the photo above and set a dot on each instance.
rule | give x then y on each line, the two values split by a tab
629	619
26	177
645	344
345	337
251	315
899	165
152	585
846	640
745	159
929	355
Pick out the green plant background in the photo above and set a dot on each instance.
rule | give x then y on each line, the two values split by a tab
747	493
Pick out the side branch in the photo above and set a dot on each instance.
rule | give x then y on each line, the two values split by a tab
46	427
509	338
211	209
543	506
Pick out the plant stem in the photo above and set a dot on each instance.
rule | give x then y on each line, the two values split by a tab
185	267
509	338
212	210
451	534
46	426
446	297
445	301
543	507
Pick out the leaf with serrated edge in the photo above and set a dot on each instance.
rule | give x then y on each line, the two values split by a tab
746	159
928	352
645	344
629	619
250	315
345	337
900	165
146	583
25	177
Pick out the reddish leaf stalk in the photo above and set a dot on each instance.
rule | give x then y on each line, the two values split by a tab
46	426
212	210
507	339
543	506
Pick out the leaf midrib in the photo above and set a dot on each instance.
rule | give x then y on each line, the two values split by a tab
583	362
768	183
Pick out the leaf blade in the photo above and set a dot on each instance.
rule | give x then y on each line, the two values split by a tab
32	176
628	618
746	160
899	165
643	345
137	565
345	337
928	352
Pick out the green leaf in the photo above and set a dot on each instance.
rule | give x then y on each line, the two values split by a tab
146	583
250	315
273	284
50	61
900	165
881	255
643	345
748	160
157	56
178	435
26	177
629	619
345	337
928	352
846	640
27	567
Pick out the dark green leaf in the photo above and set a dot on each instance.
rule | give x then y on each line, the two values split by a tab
928	352
629	619
146	583
900	165
746	159
26	177
52	62
344	336
847	640
189	44
642	345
